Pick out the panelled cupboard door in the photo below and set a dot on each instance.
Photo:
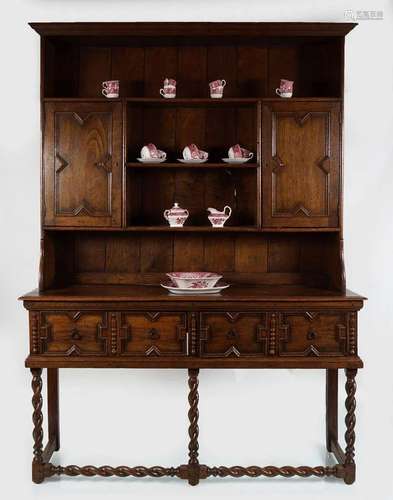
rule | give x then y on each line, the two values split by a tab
301	163
82	164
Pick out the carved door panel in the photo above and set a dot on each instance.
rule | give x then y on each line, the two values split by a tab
82	164
301	160
225	334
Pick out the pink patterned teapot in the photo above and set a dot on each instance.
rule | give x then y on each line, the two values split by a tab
176	216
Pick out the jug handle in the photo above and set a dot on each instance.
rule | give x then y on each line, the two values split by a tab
229	208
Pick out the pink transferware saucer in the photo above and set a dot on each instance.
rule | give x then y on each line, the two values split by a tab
194	291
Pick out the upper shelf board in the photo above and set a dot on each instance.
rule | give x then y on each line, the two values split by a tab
185	29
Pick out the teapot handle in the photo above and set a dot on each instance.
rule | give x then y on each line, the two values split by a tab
166	212
187	212
229	208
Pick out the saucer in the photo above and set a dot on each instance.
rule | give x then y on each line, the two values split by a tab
236	161
193	161
151	160
194	291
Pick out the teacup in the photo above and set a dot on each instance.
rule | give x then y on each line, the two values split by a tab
192	152
169	89
111	88
237	151
217	89
150	151
285	89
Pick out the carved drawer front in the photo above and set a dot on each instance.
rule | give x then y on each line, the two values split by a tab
233	334
317	334
153	334
71	333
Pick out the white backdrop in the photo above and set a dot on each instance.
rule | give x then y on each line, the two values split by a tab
246	417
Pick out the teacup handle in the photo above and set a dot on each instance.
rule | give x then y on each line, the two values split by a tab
162	92
105	91
278	92
223	83
163	155
229	208
251	155
166	213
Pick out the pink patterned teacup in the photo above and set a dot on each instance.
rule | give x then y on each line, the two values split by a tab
285	89
150	152
237	151
217	89
169	89
192	152
111	88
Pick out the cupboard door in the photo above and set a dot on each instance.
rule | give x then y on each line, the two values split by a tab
82	164
301	160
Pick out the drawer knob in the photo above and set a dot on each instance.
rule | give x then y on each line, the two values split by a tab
75	335
311	335
232	335
153	334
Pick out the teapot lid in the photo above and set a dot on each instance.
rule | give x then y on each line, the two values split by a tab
176	209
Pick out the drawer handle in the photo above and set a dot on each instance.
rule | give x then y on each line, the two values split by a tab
311	335
153	334
75	335
232	335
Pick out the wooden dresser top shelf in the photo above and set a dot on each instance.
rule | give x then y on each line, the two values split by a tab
143	293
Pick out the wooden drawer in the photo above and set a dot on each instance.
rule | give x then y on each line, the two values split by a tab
153	334
317	334
70	333
224	334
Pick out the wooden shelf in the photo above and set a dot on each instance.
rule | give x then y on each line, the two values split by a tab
164	165
236	292
207	229
192	229
194	100
190	100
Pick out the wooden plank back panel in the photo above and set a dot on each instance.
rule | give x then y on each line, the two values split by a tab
94	68
192	72
127	66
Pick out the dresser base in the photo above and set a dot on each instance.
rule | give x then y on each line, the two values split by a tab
193	472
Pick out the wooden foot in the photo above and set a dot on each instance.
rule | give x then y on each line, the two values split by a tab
193	429
53	407
331	408
350	421
38	433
